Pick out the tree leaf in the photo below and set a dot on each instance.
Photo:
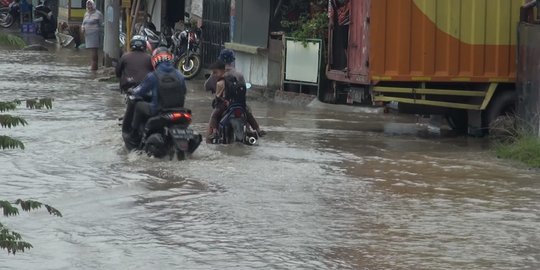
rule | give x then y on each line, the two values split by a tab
29	205
7	142
53	211
10	121
11	40
7	106
39	103
12	241
8	209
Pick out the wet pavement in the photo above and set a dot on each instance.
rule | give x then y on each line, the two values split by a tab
324	190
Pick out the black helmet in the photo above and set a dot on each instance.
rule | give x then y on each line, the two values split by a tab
227	56
138	43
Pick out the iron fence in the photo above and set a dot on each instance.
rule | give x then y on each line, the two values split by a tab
216	28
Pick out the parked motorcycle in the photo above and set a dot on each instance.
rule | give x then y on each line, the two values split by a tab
185	47
154	39
10	14
168	133
46	20
122	38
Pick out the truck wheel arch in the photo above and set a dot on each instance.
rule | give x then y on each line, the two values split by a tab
502	103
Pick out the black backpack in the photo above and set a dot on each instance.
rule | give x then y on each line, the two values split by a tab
235	91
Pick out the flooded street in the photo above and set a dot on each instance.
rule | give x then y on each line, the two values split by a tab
323	190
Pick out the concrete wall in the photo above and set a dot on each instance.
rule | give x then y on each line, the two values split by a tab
254	67
262	69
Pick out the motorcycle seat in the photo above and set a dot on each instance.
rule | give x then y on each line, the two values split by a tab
161	120
171	110
225	117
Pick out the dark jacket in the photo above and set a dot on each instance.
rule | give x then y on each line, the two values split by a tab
133	68
150	85
210	83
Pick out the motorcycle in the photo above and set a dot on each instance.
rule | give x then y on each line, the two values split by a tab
234	127
46	20
168	133
10	14
185	47
122	38
154	39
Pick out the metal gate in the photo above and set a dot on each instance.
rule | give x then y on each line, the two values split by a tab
216	28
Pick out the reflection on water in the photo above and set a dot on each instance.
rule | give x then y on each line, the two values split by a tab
324	190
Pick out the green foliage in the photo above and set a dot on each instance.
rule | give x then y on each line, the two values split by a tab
7	142
7	106
30	205
515	138
11	40
525	149
10	240
313	26
9	121
9	210
309	27
43	103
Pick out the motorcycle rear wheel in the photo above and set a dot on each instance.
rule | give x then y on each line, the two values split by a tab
6	20
189	67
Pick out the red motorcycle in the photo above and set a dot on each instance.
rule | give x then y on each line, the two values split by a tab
9	14
185	47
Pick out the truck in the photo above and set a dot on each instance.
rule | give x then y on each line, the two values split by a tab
455	58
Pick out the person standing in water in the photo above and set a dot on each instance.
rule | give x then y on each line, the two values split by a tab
91	28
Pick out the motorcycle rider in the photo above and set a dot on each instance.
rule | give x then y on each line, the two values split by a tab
219	103
134	66
165	85
222	68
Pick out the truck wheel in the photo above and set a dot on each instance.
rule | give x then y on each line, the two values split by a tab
330	94
458	120
502	105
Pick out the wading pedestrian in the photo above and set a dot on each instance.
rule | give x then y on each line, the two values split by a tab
91	28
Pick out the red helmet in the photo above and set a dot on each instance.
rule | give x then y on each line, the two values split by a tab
161	54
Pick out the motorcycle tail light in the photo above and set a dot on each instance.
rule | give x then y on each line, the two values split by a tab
180	116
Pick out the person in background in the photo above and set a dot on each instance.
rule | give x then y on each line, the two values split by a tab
91	28
135	65
227	58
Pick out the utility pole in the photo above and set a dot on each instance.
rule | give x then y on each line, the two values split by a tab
127	5
111	43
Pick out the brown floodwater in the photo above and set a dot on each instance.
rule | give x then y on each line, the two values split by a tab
326	189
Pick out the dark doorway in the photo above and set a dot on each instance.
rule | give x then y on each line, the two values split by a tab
216	28
174	12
